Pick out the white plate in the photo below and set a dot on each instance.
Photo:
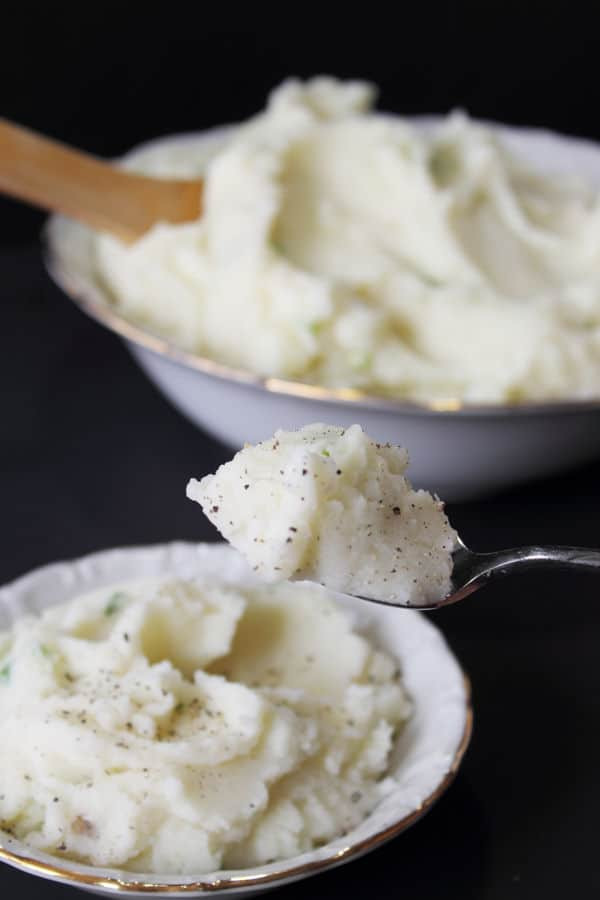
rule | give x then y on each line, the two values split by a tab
424	761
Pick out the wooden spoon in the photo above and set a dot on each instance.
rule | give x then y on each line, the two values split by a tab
57	178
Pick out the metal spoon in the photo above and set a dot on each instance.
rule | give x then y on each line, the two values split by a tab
472	571
58	178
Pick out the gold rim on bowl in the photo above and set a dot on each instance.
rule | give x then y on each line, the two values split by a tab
102	312
119	885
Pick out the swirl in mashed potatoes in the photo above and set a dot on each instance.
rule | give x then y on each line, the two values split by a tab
180	726
352	249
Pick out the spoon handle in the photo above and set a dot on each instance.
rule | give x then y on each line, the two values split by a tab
49	174
473	570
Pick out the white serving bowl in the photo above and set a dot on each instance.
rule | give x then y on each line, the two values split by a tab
424	762
461	451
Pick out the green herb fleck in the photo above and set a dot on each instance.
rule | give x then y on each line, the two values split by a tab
5	673
316	327
45	650
360	361
444	165
179	708
325	452
115	603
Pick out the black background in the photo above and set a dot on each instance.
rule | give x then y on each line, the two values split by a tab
91	456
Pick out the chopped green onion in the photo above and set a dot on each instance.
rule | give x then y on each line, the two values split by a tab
360	361
115	603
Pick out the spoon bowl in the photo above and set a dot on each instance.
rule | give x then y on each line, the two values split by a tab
471	571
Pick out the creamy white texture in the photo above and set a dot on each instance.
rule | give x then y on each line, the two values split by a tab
348	248
179	726
333	506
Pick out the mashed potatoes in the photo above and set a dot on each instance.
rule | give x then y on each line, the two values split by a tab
351	249
333	506
181	726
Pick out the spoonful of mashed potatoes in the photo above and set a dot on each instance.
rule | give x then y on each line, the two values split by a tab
331	505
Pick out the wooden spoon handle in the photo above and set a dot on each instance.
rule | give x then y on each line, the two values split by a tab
55	177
